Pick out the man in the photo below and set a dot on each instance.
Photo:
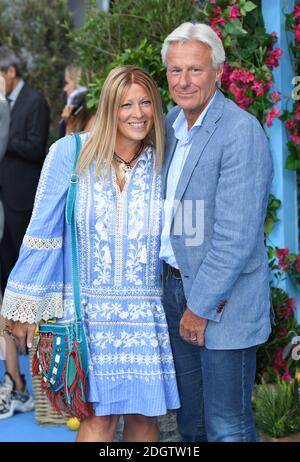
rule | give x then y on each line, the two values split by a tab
216	178
19	175
4	130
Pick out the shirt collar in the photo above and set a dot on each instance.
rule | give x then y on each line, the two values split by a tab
181	131
16	91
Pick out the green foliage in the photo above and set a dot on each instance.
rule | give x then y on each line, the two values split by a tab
271	218
276	409
36	30
145	55
292	116
132	33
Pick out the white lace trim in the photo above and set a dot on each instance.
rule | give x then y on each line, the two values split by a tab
42	244
32	309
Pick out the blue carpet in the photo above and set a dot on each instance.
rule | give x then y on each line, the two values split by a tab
23	427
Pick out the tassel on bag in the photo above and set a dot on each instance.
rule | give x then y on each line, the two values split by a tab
71	398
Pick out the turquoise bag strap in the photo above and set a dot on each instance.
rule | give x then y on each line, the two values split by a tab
71	220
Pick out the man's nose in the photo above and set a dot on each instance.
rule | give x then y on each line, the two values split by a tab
184	79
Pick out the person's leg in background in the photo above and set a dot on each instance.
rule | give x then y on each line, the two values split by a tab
13	393
228	378
187	357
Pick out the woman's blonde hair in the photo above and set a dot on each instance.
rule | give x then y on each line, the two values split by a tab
101	142
74	73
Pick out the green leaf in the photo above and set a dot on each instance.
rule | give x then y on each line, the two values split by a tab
249	6
291	163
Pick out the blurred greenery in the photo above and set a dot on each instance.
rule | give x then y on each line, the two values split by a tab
276	409
36	31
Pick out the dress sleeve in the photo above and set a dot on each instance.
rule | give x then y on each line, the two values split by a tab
35	287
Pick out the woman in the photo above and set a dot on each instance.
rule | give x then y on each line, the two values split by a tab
131	369
75	117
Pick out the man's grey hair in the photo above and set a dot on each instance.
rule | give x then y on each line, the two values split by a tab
201	32
9	58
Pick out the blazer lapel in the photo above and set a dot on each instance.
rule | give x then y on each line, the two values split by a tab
201	139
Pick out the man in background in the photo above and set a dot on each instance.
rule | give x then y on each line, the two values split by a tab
19	175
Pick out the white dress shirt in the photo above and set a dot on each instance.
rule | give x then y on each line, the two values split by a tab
185	139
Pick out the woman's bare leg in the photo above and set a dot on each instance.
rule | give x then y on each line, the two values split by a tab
139	428
97	429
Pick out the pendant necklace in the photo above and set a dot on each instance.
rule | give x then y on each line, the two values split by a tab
125	165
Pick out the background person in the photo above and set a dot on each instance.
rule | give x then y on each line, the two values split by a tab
19	175
75	116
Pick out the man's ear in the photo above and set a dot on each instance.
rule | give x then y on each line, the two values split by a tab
11	72
219	73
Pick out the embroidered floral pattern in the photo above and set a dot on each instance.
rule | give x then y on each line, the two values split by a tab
137	220
129	311
128	340
104	211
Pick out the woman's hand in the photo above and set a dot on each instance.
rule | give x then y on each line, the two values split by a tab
22	332
66	113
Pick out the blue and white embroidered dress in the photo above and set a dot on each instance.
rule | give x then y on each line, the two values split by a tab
131	367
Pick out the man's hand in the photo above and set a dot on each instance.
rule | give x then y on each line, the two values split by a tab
192	328
23	334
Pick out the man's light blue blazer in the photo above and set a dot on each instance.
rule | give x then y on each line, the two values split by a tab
225	278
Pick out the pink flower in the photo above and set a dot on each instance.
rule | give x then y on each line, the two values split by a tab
234	12
297	12
217	11
290	124
286	377
214	21
282	332
278	360
242	75
283	262
241	98
297	33
290	308
273	57
275	96
227	70
274	34
212	1
258	88
273	114
295	137
282	252
297	113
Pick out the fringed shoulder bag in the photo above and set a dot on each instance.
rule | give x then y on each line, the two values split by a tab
61	357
